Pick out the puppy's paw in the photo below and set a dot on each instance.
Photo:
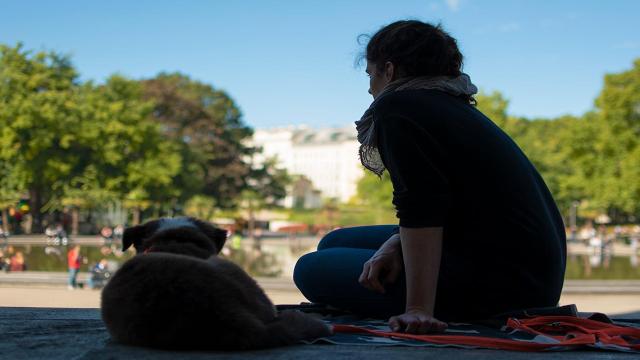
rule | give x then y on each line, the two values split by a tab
306	325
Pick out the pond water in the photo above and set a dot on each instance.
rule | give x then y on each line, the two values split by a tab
602	267
279	260
54	258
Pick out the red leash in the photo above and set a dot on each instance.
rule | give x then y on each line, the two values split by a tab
566	330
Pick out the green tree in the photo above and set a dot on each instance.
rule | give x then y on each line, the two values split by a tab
375	192
137	162
36	120
594	158
373	199
543	141
201	207
78	145
118	153
10	192
269	181
251	202
616	186
207	126
494	106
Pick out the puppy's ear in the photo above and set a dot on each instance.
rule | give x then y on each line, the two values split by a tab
218	236
133	235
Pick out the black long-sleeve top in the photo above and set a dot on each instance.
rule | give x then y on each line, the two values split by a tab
452	167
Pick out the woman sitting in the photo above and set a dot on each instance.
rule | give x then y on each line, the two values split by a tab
479	232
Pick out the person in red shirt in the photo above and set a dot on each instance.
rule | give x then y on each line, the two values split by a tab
73	259
17	262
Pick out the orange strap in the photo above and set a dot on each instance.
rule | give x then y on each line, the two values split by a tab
568	331
608	334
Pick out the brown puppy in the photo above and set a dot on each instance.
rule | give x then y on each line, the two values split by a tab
177	294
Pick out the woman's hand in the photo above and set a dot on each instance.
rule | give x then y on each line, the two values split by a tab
416	321
384	267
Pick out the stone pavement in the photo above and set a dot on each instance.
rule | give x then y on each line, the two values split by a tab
53	333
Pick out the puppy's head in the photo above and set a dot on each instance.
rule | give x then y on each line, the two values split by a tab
184	235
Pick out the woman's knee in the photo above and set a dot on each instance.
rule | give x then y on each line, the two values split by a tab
359	237
332	238
330	277
304	270
321	272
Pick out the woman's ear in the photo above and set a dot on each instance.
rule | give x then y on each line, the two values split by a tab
389	71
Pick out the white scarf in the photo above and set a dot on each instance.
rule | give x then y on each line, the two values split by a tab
369	155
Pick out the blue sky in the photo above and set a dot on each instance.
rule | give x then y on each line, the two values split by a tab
292	62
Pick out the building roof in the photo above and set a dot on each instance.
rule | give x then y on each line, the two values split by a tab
308	136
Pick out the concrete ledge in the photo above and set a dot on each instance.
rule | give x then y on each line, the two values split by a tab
27	278
601	287
39	278
283	283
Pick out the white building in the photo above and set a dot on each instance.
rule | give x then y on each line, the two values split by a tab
327	157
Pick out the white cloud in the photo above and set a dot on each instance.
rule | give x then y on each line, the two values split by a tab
547	23
509	27
627	45
453	5
573	15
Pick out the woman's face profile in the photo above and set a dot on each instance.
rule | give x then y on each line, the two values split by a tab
377	79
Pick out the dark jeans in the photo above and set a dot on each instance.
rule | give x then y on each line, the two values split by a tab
330	275
73	275
466	289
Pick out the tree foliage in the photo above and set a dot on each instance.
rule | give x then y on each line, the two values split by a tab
160	141
617	143
207	127
37	121
172	141
593	159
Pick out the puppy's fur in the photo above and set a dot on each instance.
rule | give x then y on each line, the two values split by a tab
177	294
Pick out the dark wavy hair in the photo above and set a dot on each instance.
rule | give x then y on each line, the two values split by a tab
415	49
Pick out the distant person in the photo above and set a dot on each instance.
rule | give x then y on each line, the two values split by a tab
633	245
56	235
99	274
4	237
8	253
4	263
74	259
106	250
118	231
479	233
61	235
17	262
50	233
106	233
